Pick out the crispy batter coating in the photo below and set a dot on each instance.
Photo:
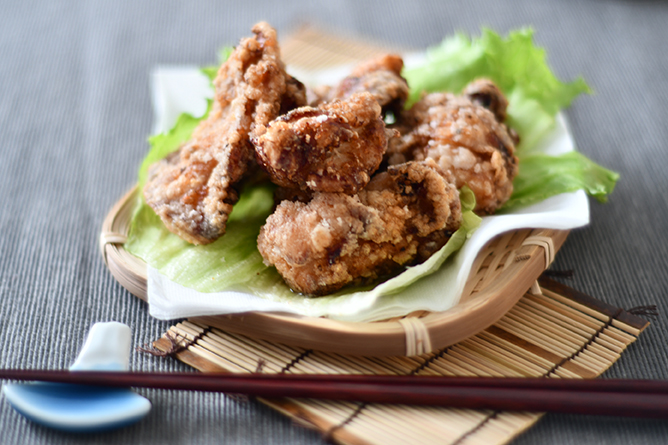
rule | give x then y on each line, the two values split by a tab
333	148
193	190
485	93
291	194
401	218
381	77
465	139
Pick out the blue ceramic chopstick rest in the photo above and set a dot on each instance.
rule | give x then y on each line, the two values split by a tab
83	408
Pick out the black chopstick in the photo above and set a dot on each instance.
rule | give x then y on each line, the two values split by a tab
614	397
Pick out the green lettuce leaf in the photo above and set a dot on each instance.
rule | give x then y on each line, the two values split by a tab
515	64
232	259
542	176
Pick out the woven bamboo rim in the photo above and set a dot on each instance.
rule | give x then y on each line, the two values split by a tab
501	274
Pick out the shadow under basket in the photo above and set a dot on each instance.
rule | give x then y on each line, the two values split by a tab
503	271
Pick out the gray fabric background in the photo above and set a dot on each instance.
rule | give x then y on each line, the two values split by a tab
75	113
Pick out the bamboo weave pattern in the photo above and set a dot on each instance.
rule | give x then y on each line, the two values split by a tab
548	335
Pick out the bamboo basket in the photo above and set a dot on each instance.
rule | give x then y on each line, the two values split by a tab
501	274
503	271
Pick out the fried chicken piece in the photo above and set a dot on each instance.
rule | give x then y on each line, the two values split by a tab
382	78
194	189
471	143
291	194
333	148
466	139
400	148
402	217
485	93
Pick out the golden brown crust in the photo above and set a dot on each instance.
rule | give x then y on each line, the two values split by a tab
485	93
381	77
465	139
401	218
333	148
193	191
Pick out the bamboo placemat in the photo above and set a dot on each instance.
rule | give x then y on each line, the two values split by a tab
552	332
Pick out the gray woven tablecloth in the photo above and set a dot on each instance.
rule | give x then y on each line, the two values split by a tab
75	112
